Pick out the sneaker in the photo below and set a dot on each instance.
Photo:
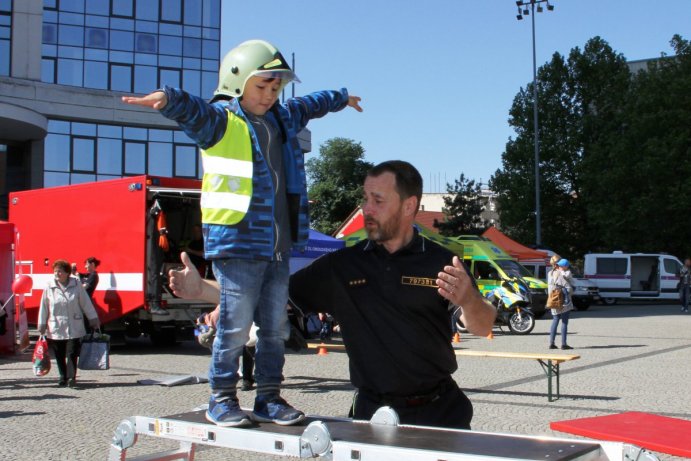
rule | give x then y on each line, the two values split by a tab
226	413
158	310
72	382
566	347
206	338
552	346
247	385
276	410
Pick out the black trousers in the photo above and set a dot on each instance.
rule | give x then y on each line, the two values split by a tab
452	409
248	363
66	353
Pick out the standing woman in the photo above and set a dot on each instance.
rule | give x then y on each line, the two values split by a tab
560	279
685	285
64	305
90	280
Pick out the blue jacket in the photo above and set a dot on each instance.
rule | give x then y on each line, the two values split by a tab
205	123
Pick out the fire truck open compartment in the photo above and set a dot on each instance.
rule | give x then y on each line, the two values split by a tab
121	222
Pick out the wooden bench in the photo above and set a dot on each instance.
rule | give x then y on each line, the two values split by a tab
549	362
325	346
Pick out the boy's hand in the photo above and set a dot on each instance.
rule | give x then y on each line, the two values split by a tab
156	100
211	318
354	102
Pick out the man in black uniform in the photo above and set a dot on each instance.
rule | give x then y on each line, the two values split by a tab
392	295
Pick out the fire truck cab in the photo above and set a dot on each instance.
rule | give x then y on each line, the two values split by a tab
136	227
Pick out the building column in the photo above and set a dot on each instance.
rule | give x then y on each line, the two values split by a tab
27	36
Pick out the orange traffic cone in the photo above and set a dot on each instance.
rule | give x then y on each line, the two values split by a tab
322	350
456	338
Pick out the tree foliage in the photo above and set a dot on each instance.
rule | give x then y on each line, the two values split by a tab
614	154
335	182
462	208
638	180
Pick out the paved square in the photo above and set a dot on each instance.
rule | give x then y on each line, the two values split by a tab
634	357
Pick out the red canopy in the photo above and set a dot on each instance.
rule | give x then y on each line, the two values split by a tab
512	247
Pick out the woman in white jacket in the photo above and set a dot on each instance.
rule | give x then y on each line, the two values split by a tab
64	305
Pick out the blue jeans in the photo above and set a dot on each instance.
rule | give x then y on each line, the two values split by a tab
564	317
250	291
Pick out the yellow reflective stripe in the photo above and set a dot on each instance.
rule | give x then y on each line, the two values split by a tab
218	165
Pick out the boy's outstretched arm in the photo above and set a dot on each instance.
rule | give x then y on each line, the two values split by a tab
156	100
354	102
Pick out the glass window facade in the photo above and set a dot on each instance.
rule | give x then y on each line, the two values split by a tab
83	39
78	152
132	46
6	36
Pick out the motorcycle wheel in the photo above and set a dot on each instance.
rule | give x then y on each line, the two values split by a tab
523	324
460	327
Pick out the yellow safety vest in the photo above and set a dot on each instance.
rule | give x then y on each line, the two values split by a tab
227	181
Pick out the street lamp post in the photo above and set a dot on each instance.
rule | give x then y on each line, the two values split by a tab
524	11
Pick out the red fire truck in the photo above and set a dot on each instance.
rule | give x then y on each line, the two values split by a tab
135	226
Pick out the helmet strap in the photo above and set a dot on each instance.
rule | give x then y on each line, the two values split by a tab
220	97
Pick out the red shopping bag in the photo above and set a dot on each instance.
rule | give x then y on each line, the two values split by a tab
41	357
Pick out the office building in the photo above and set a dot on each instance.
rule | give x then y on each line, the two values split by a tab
64	64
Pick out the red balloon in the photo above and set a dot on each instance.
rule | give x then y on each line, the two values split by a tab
22	284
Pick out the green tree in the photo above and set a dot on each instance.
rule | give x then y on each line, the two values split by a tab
335	182
578	98
639	178
462	208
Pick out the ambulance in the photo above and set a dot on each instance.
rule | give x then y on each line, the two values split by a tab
648	276
136	226
489	264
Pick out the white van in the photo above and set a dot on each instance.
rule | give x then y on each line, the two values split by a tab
633	275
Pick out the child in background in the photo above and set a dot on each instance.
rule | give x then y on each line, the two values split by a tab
254	208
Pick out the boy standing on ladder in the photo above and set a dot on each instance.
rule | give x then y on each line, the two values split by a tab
254	208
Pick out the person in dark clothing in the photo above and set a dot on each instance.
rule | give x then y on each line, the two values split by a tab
392	295
90	279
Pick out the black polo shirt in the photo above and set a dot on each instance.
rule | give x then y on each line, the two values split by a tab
395	325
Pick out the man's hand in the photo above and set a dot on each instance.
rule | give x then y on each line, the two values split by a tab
354	102
94	323
42	329
186	283
156	100
455	285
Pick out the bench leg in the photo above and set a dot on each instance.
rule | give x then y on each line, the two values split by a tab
551	369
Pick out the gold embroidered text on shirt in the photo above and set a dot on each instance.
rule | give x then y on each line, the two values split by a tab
419	281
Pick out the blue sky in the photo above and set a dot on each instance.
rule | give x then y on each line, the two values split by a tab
437	77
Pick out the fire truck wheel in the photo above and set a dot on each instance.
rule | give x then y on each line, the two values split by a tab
164	338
